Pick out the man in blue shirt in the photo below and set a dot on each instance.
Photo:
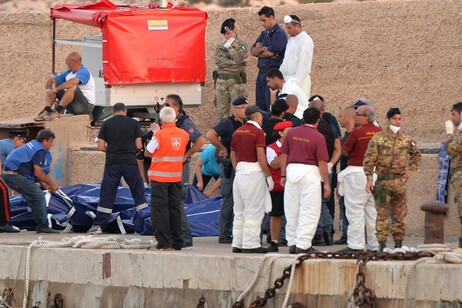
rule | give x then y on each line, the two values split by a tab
27	166
269	47
17	140
74	88
207	167
197	140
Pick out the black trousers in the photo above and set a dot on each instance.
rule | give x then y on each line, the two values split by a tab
4	203
166	214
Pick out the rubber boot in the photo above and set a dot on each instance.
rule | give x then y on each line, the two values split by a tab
382	245
398	244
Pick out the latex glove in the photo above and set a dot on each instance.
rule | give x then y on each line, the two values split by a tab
329	167
449	127
270	183
229	42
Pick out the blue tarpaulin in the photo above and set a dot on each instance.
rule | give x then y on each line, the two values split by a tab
202	212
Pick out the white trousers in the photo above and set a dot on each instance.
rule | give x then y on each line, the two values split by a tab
302	204
306	85
360	211
250	195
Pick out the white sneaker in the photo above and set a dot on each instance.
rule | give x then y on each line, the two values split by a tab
95	229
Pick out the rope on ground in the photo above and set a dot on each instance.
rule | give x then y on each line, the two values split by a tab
291	281
433	248
409	277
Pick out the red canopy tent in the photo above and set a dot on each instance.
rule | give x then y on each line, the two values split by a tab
144	44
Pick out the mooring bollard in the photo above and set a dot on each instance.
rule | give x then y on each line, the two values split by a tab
434	222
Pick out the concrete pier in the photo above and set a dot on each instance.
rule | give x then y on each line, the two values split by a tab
142	278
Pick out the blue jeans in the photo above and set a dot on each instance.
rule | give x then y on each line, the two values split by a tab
33	194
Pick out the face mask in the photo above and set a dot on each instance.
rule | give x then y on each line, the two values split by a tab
394	129
460	126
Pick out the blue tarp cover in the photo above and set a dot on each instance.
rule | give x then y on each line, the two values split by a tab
202	212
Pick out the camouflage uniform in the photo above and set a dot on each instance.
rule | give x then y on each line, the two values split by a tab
390	155
230	78
454	148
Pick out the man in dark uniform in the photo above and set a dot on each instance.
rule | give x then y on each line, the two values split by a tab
269	48
325	228
120	139
220	136
27	166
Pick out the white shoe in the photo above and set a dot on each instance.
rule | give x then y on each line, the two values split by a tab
95	229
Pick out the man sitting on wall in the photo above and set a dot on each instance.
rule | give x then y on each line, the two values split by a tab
74	88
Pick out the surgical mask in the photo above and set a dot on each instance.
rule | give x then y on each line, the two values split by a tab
394	129
459	127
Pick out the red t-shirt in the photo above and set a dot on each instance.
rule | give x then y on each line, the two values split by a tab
357	143
246	140
305	145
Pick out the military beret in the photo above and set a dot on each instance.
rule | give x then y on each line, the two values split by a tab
228	24
240	101
392	112
282	125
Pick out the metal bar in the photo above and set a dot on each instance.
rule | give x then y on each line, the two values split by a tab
53	48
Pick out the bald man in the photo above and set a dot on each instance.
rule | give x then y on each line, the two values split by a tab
74	88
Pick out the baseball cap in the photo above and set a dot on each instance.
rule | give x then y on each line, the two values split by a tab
22	133
251	110
362	102
316	98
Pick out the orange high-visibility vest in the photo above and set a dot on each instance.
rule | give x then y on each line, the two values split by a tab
167	160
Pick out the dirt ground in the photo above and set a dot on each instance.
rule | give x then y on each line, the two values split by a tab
404	54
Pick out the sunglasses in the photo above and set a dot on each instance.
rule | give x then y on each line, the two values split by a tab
288	19
166	105
360	114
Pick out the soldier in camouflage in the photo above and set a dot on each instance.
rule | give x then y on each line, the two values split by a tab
454	149
230	78
395	157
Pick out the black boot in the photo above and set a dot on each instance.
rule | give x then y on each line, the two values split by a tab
318	240
328	238
382	245
398	244
460	242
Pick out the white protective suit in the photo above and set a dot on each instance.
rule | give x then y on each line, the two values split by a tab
251	200
302	204
359	207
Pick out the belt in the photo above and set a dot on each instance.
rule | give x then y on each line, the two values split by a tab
9	172
389	177
225	76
